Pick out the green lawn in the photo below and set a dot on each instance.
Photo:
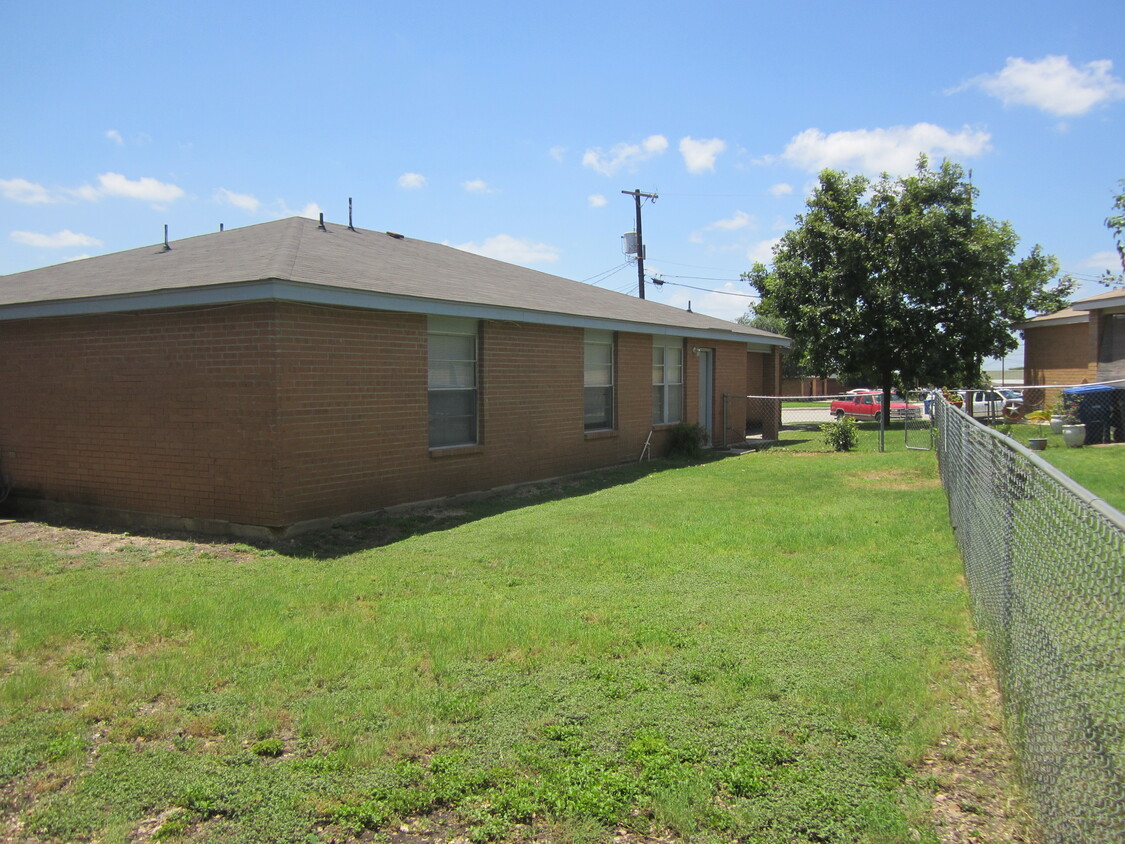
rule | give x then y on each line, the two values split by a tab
757	649
1101	469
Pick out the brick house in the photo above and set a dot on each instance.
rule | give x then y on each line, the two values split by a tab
272	377
1084	343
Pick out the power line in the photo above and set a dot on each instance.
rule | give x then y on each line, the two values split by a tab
701	278
697	266
606	274
659	282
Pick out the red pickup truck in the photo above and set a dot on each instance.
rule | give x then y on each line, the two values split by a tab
865	406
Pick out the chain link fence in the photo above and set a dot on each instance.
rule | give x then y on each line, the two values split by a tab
793	420
1045	563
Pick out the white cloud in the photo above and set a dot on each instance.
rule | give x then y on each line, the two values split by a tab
21	190
245	201
596	200
115	136
740	220
1102	261
1053	85
762	251
719	304
145	188
86	192
781	189
280	208
894	150
557	153
411	181
477	186
504	247
109	184
624	155
59	240
699	156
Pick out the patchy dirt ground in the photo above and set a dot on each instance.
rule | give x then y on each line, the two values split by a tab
971	772
77	541
976	799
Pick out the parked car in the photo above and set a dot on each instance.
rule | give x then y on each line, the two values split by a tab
866	406
991	404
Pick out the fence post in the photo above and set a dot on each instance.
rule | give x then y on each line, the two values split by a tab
771	420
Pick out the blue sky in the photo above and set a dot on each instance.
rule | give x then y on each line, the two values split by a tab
511	129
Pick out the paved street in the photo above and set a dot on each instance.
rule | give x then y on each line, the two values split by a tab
804	415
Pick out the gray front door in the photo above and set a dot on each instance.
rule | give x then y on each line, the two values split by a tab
706	392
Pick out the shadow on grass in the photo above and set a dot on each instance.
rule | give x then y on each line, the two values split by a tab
386	527
399	523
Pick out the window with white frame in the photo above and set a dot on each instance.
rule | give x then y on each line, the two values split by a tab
452	346
598	380
667	380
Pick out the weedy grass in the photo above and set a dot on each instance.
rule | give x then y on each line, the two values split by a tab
754	649
809	437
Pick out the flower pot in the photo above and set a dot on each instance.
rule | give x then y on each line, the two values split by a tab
1056	424
1038	443
1074	435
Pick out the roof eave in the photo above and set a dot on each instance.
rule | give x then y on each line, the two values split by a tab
1095	304
1047	322
290	291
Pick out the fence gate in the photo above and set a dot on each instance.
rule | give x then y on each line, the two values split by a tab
919	433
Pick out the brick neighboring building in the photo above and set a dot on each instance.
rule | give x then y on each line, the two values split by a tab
268	378
1084	343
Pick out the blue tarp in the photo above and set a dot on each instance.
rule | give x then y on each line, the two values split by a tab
1086	389
1097	408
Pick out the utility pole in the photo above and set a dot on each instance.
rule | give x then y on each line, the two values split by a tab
636	194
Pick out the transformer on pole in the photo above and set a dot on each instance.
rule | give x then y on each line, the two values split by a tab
636	241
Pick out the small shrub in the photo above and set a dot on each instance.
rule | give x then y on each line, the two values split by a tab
841	435
176	825
686	440
198	798
268	747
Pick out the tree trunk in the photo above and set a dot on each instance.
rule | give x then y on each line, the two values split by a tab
888	386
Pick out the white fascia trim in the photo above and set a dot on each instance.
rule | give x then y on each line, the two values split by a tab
1099	304
288	291
1048	323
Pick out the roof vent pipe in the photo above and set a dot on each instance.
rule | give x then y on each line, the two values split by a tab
220	226
321	226
167	246
350	226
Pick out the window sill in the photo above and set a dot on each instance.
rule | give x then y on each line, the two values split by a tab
456	450
601	435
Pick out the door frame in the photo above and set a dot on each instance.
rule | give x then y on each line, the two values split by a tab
706	391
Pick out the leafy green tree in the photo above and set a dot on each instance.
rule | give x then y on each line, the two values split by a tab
900	276
1116	224
791	368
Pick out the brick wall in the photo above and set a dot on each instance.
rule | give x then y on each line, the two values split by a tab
171	413
277	413
1058	354
353	410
